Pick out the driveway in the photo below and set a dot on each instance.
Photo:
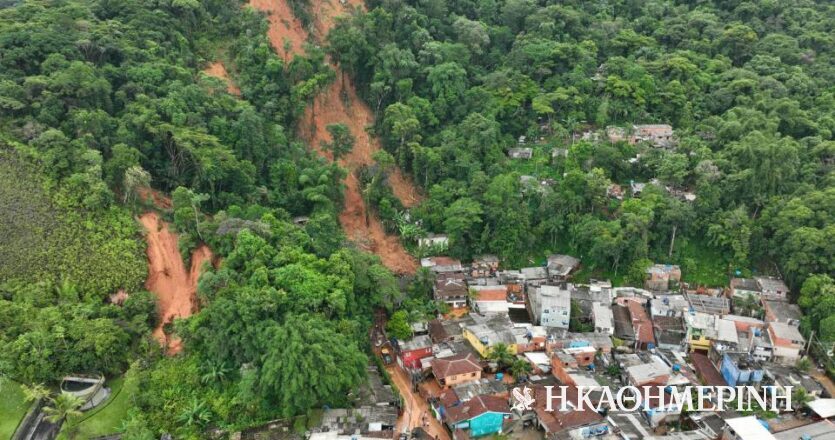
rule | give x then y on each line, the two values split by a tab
415	408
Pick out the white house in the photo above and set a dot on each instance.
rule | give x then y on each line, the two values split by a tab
604	320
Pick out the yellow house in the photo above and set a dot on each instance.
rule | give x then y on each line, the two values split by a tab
698	341
483	338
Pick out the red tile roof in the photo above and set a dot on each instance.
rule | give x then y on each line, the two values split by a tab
557	421
460	411
492	295
452	366
641	322
706	370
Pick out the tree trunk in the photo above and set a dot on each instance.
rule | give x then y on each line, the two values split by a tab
672	241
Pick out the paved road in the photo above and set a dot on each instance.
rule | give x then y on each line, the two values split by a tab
415	407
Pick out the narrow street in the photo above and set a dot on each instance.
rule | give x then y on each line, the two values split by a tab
414	407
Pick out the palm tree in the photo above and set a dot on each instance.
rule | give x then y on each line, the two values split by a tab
519	368
62	406
197	414
34	392
215	372
799	398
501	354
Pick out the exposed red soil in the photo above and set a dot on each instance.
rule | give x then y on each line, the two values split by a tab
218	70
340	104
174	286
160	200
286	32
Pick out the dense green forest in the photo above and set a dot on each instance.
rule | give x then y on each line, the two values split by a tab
747	86
102	98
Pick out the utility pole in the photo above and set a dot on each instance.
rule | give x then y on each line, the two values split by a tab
809	344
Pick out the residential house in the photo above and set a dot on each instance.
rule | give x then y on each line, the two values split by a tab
742	287
604	320
550	306
534	275
760	345
781	311
490	299
658	408
787	342
668	305
451	288
599	341
615	191
781	377
568	371
700	330
669	332
484	266
746	428
437	331
478	416
456	370
481	387
434	241
561	266
623	323
641	323
741	369
660	276
615	134
659	135
714	305
653	373
540	362
520	153
820	430
491	330
371	421
773	288
559	152
568	424
745	324
585	295
636	188
442	264
412	351
823	408
536	339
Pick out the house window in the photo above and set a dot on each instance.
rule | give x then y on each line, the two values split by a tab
472	374
453	377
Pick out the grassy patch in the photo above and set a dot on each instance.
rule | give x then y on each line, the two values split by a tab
105	419
703	265
13	407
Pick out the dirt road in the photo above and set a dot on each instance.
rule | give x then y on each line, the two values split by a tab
415	407
218	70
287	37
174	286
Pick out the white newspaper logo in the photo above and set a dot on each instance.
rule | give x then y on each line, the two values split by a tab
522	398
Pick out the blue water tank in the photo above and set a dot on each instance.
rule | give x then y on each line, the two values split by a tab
676	368
499	376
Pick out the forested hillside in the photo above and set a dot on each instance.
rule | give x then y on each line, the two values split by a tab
103	102
746	85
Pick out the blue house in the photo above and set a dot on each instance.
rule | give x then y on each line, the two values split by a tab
479	416
740	369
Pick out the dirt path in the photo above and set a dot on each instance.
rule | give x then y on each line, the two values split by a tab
415	407
174	286
287	35
218	70
824	380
